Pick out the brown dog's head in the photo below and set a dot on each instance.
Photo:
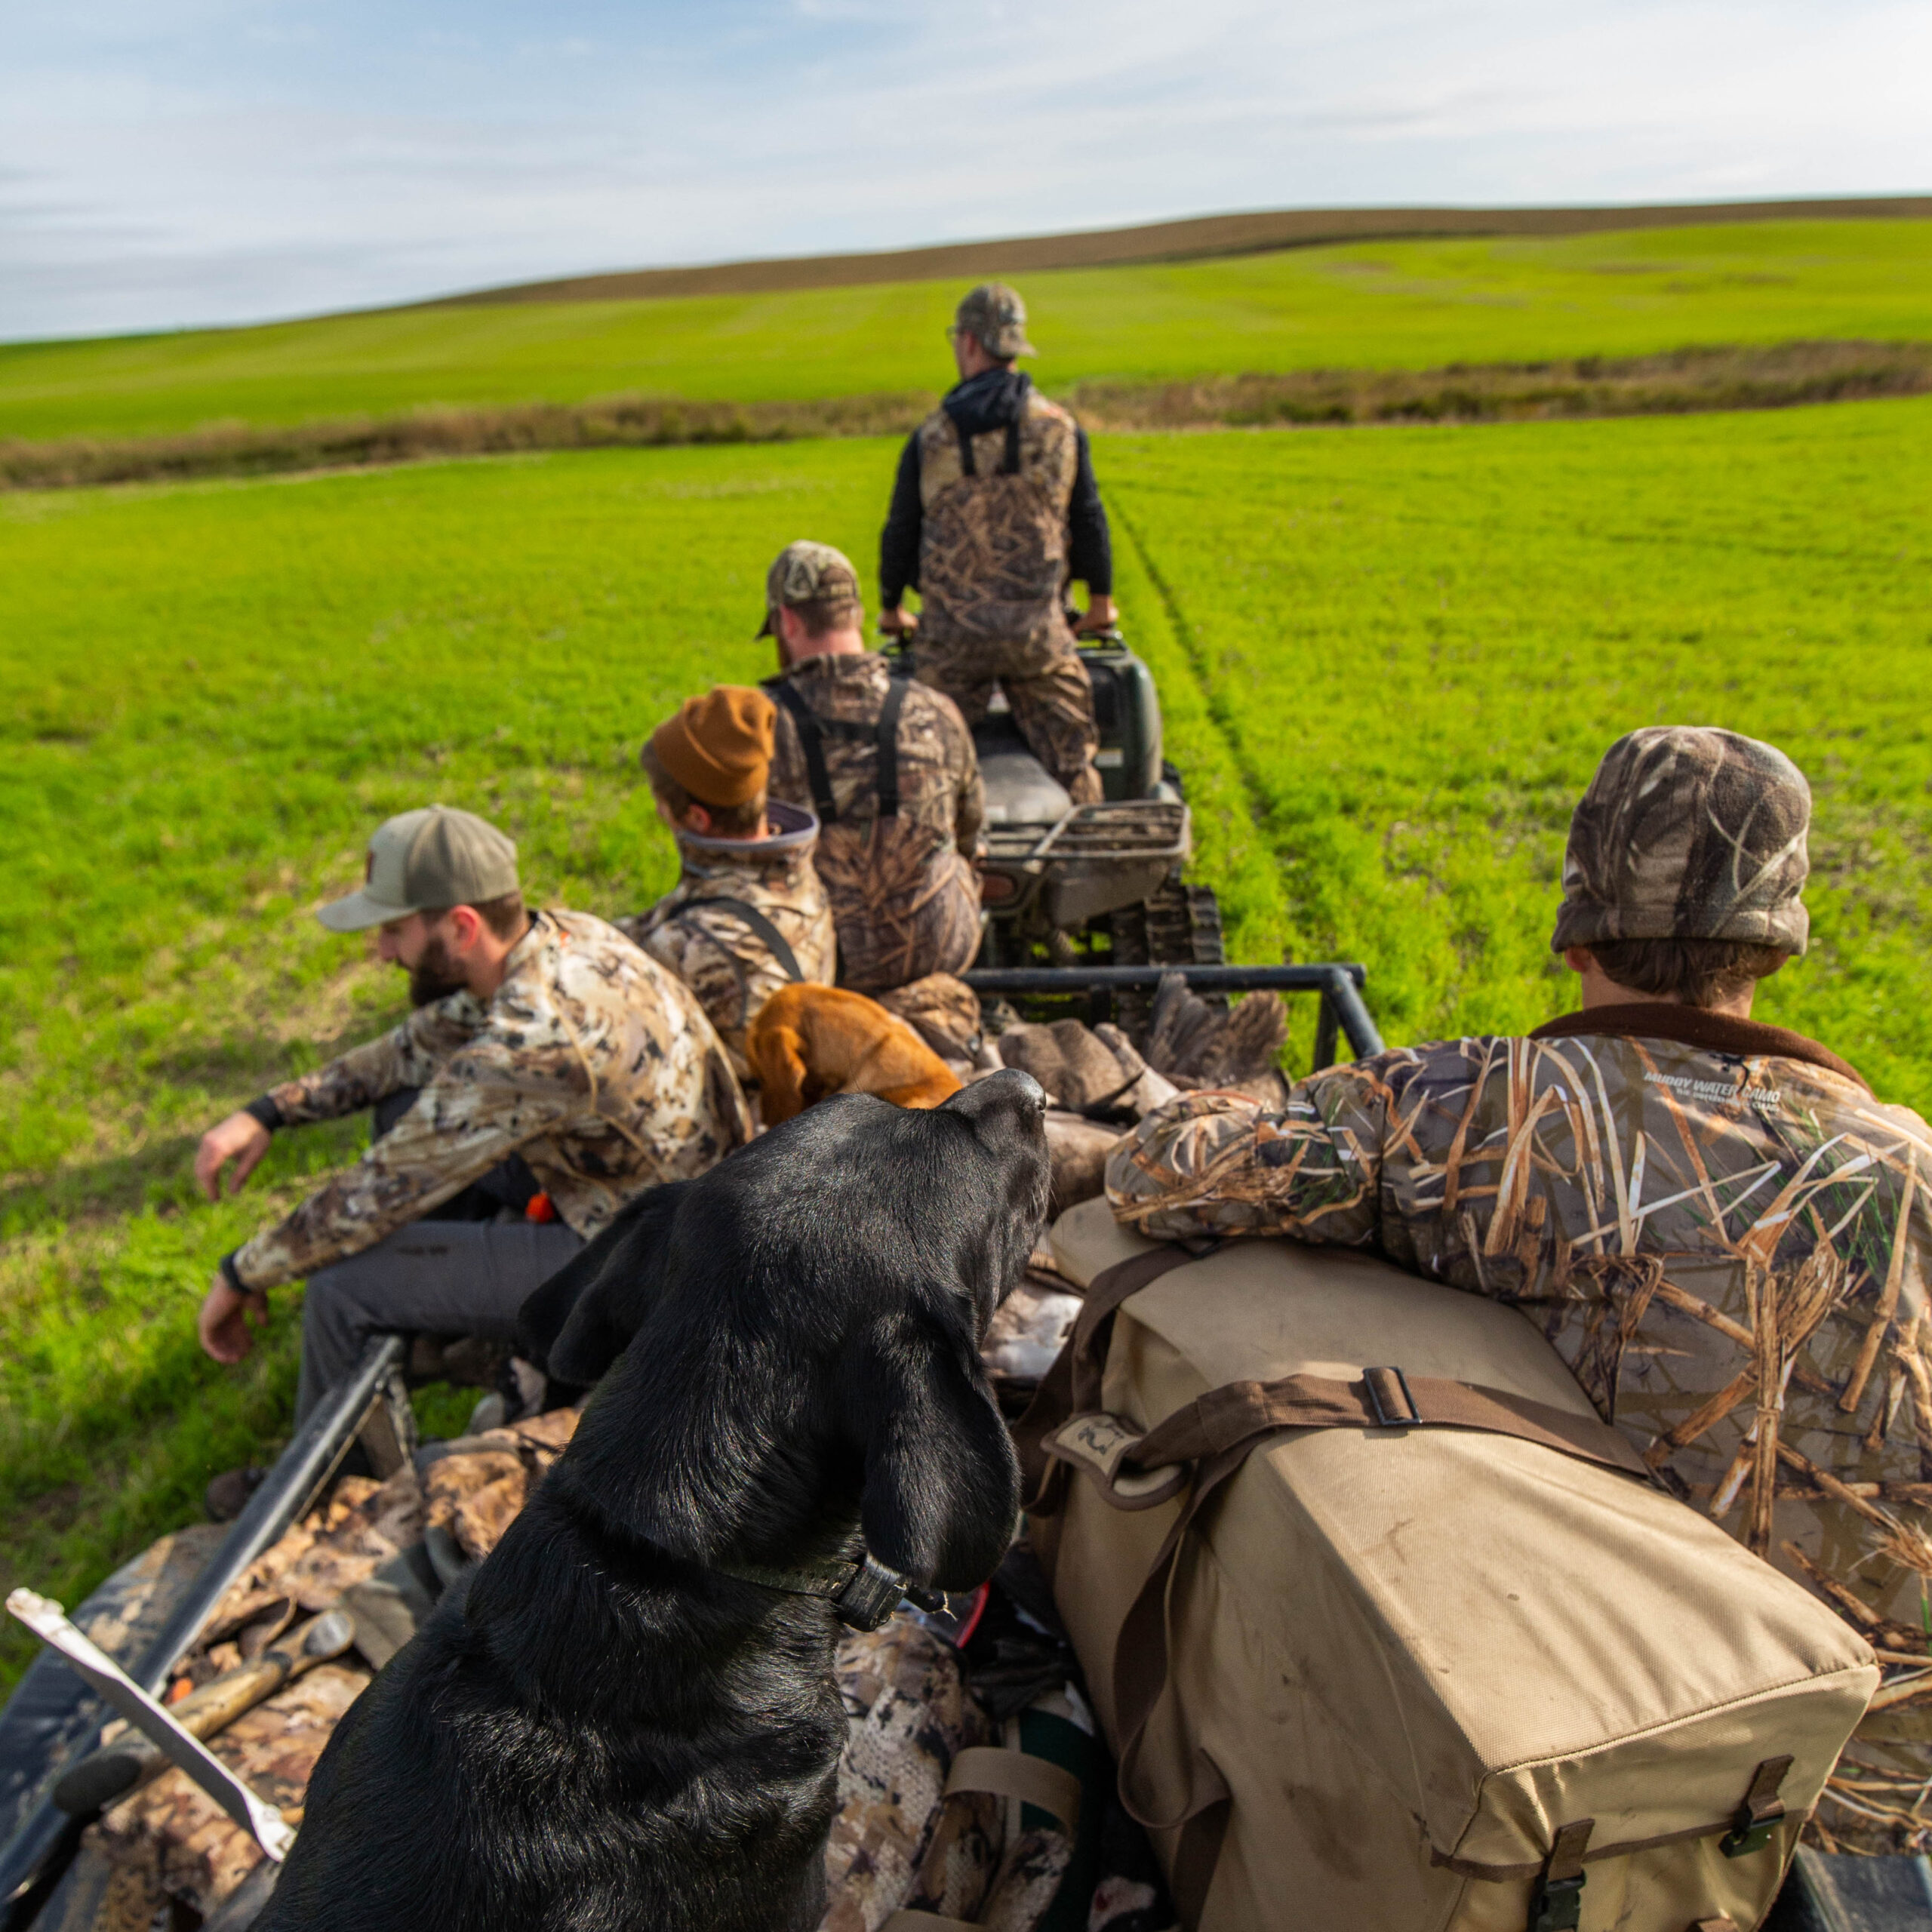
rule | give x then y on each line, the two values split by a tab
808	1042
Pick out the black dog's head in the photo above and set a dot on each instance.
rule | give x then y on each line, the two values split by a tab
814	1302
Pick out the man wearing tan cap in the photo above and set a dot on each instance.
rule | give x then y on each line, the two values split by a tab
1658	1180
888	765
748	914
994	512
546	1034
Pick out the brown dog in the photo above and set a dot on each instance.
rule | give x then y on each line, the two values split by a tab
809	1041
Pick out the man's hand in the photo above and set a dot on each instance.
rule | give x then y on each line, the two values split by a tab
222	1324
897	621
1101	616
240	1138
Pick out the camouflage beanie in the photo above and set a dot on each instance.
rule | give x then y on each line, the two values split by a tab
1688	832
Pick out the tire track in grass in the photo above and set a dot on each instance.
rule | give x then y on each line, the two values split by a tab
1233	851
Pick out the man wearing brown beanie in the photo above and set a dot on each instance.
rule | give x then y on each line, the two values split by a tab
888	764
748	914
1657	1180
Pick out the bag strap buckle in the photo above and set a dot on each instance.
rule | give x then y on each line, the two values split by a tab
1760	1814
1556	1904
1390	1401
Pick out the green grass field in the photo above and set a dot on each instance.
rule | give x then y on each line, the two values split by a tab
1390	659
1380	305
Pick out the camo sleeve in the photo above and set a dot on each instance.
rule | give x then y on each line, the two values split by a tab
1221	1164
407	1057
466	1119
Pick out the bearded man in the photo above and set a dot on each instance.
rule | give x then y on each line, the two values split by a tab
542	1037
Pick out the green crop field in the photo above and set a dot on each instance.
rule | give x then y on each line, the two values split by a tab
1390	660
1380	305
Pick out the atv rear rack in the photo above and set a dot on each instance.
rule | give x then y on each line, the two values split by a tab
1342	1011
1090	860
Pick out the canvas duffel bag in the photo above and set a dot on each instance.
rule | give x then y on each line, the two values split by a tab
1387	1628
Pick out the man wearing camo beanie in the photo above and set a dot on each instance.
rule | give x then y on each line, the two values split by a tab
1655	1178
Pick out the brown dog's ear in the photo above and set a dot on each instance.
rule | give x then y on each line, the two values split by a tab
942	1488
776	1056
579	1321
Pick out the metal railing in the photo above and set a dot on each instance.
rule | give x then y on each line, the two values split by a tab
365	1402
1342	1012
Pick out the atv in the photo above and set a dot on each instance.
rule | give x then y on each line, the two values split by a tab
1087	906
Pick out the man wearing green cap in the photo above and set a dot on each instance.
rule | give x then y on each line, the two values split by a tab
1657	1180
994	512
544	1035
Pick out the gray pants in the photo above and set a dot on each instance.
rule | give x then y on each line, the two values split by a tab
433	1278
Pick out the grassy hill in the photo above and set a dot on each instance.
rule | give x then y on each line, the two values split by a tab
1389	661
1378	304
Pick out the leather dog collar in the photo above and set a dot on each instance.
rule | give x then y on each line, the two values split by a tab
862	1594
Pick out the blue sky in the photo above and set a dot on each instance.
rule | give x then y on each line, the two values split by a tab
170	162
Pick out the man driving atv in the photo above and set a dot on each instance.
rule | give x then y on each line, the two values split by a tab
748	914
547	1034
995	511
888	764
1719	1227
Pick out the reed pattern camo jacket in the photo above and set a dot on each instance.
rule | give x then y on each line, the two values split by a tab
594	1062
1720	1231
722	957
903	893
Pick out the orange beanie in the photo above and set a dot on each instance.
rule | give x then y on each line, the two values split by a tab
718	747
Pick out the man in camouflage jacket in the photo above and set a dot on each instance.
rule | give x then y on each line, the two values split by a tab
994	512
888	764
1721	1229
748	914
547	1034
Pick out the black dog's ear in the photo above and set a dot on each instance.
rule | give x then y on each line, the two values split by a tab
581	1320
942	1490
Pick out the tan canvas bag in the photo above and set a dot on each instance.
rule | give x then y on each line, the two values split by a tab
1471	1677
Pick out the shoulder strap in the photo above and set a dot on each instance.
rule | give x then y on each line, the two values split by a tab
768	934
888	747
965	446
1011	467
811	741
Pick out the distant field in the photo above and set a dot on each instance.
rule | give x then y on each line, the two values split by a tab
1390	660
1380	305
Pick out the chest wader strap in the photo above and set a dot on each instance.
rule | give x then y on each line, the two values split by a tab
888	748
1009	464
763	930
883	735
811	741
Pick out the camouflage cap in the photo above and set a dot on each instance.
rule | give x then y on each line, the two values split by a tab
995	315
807	572
1688	832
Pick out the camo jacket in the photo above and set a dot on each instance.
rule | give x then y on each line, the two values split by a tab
903	895
723	960
1720	1230
591	1061
993	546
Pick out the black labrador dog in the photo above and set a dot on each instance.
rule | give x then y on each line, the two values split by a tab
626	1716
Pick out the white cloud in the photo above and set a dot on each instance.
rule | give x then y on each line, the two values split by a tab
191	161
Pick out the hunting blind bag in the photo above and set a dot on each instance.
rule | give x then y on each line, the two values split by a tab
1367	1674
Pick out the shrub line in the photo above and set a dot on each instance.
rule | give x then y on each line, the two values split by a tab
1681	381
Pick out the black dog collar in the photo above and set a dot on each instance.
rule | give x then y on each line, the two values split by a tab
863	1594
